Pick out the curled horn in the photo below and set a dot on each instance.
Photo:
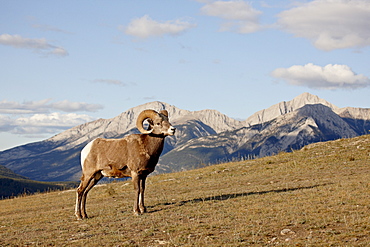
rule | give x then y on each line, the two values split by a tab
142	117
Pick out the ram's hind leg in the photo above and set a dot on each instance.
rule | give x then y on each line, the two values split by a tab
95	179
87	182
79	193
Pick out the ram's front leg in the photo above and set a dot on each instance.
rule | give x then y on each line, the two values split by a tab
141	194
136	182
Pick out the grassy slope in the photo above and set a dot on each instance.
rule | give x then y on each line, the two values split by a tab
320	193
7	173
11	187
12	184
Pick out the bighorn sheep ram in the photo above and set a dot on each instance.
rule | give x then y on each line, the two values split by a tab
133	156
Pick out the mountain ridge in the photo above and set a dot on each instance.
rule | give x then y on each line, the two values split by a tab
308	124
206	136
285	107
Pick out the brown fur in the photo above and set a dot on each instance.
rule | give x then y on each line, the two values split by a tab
133	156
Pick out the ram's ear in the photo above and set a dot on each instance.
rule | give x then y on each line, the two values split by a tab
164	112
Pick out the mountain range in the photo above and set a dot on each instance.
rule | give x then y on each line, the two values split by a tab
202	137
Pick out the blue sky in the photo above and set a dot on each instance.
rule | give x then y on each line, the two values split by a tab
67	62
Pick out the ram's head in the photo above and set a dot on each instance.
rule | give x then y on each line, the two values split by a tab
158	123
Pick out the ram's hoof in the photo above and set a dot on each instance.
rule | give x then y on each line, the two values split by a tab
142	210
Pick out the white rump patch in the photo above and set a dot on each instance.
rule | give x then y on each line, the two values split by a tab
85	151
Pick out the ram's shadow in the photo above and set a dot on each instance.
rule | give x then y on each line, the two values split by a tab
223	197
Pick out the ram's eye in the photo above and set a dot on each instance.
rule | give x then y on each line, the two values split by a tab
158	124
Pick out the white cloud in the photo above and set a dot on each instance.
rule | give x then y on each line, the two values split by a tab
6	123
48	28
42	123
12	107
38	45
44	106
36	118
239	16
59	51
145	27
331	76
330	24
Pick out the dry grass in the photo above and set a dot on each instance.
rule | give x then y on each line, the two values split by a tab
320	193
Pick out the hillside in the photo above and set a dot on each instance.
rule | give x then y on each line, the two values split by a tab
317	196
5	172
12	184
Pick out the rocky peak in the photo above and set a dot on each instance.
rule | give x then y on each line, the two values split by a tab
216	120
355	113
286	107
325	117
